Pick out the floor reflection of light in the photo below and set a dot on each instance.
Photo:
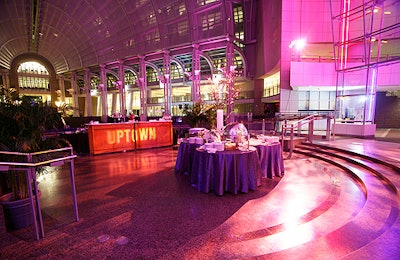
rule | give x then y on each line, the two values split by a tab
40	178
357	147
48	174
294	208
296	231
130	163
296	236
291	224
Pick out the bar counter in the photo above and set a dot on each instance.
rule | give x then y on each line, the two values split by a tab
118	137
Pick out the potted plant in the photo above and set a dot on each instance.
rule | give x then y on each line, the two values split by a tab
24	123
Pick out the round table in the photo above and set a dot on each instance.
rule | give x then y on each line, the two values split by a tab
233	171
271	159
184	159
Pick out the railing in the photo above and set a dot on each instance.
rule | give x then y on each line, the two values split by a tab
28	162
289	129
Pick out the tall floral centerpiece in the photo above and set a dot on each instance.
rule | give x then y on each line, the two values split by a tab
223	89
223	93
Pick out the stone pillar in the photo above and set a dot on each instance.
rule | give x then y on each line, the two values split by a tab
103	90
61	92
121	88
196	96
5	79
74	92
88	97
143	89
166	80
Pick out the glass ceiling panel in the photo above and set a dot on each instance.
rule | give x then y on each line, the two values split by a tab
84	33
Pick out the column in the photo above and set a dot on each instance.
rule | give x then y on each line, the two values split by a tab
196	96
103	94
61	91
5	79
74	93
88	97
143	89
167	85
121	88
60	101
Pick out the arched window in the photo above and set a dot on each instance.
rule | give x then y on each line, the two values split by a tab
94	82
33	75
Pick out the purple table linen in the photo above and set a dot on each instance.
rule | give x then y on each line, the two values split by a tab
232	171
184	158
271	160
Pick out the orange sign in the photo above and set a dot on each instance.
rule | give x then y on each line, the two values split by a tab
105	138
120	136
153	134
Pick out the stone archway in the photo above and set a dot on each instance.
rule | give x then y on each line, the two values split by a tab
40	59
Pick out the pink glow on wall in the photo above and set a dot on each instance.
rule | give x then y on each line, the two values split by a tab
312	74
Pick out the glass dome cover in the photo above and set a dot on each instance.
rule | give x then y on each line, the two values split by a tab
235	130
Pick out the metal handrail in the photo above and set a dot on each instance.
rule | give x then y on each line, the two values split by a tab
30	156
40	152
30	171
286	127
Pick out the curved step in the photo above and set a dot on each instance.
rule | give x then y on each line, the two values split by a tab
332	206
381	179
383	167
369	155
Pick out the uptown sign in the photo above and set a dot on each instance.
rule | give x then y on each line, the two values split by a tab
129	135
104	138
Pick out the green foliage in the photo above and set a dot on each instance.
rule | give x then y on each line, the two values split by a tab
24	123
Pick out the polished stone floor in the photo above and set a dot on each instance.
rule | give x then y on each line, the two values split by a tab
134	206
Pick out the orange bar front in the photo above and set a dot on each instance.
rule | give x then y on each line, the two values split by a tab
106	138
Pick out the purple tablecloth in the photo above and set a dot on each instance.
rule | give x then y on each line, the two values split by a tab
184	158
271	160
233	171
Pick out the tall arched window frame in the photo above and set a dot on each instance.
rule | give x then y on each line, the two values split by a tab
33	75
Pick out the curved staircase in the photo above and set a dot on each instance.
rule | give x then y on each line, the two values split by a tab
373	228
332	203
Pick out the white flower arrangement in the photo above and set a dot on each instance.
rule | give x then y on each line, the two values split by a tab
211	136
